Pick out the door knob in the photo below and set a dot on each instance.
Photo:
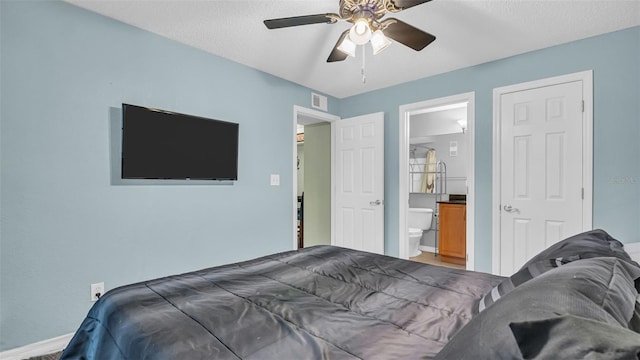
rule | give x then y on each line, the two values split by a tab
509	208
375	203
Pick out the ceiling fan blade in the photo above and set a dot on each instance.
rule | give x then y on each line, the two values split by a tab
300	20
405	4
408	35
337	55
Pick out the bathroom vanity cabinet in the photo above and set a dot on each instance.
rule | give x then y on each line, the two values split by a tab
452	235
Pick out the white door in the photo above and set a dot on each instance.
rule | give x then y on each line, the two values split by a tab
541	160
359	183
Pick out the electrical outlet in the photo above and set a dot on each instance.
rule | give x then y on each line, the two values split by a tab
97	290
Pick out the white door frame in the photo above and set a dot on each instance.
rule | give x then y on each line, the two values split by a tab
403	177
299	111
587	150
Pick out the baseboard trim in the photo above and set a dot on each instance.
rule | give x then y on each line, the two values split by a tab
430	249
633	249
37	349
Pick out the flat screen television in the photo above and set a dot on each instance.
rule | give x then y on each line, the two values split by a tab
159	144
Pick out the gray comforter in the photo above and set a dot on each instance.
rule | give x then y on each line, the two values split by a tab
316	303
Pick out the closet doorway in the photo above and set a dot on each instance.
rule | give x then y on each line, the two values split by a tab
311	177
436	171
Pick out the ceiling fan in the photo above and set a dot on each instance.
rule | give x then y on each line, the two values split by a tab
368	25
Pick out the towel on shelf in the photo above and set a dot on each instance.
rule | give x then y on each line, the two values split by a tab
416	169
429	179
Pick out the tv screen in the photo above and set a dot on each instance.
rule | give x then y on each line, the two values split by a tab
158	144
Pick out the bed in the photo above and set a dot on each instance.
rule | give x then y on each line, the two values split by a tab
328	302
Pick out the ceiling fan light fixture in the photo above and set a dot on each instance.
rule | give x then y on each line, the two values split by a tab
347	46
379	42
365	17
360	32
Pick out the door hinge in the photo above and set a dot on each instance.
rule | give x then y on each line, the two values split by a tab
582	193
582	105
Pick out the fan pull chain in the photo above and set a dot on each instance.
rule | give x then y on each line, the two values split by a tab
364	77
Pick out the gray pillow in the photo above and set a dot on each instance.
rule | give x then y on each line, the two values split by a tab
523	275
634	324
601	289
572	337
590	244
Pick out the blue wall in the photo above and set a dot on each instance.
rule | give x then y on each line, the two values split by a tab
64	226
615	61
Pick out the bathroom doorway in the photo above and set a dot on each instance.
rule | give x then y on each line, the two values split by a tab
436	160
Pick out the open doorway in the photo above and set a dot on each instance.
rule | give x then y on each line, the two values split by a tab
311	177
436	180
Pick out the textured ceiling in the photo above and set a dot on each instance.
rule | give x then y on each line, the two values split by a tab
469	32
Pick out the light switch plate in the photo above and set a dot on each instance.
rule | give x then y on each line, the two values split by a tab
275	179
453	148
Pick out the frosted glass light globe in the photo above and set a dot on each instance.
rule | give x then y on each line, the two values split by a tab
360	32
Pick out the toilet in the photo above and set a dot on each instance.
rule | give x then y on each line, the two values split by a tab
419	221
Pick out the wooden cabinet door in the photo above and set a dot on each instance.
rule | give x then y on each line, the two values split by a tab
452	239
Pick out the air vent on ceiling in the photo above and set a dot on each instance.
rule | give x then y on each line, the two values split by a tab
319	101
